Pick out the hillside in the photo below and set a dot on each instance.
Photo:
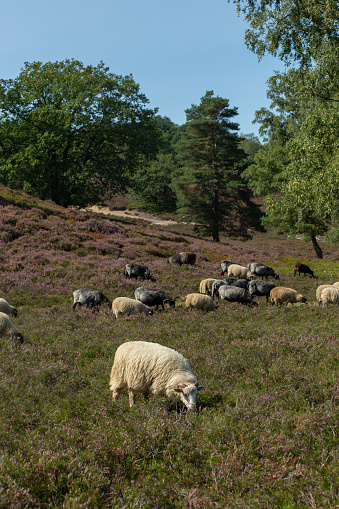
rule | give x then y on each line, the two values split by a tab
265	432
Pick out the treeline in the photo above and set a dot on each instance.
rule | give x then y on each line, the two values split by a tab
76	134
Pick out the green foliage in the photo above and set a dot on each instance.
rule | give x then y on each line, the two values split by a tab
210	190
72	133
293	30
250	144
151	185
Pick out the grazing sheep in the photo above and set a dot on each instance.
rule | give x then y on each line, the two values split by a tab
302	268
224	266
136	270
205	286
281	294
330	295
239	272
150	368
236	294
264	271
198	301
240	283
253	265
125	306
90	298
183	258
319	290
8	329
5	307
260	288
153	297
215	287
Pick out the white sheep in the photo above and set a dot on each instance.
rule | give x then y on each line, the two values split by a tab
5	307
126	306
336	284
150	368
330	295
319	290
239	272
281	294
205	286
199	301
8	329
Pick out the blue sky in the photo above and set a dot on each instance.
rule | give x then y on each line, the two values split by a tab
175	50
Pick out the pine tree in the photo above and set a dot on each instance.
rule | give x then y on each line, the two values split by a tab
211	192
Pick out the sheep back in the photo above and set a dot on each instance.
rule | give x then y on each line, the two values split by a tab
199	301
205	286
7	328
144	367
330	295
281	294
319	290
124	306
238	271
87	297
6	308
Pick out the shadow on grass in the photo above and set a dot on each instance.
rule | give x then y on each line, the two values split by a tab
210	402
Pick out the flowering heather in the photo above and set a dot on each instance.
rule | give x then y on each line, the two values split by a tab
265	433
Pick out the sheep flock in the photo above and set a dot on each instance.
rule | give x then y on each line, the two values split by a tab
144	367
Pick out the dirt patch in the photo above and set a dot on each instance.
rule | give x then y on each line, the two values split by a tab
132	213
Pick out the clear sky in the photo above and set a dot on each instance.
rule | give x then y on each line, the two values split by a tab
176	50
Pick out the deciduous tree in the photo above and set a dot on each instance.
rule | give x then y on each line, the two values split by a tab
72	133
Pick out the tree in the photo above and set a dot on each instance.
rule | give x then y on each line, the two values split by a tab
296	164
293	30
72	133
151	185
209	187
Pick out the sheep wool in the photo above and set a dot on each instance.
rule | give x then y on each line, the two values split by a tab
125	306
319	290
205	286
7	328
199	301
144	367
330	295
281	294
239	272
5	307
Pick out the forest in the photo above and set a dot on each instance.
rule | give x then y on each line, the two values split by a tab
80	134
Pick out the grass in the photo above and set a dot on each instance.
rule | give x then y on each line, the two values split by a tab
265	433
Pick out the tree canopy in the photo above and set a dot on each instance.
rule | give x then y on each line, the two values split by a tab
293	30
298	165
211	192
72	133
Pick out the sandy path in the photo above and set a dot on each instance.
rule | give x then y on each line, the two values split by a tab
133	213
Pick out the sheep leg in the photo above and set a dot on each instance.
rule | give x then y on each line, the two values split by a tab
131	397
116	394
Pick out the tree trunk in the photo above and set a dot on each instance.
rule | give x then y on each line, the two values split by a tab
316	246
216	237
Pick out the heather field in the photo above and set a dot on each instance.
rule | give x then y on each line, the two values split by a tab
265	432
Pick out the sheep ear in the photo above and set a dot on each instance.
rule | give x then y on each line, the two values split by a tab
178	390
